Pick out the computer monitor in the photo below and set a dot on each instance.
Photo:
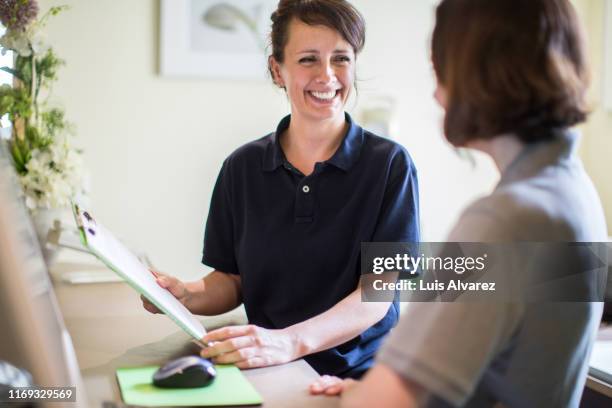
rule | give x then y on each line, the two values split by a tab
33	335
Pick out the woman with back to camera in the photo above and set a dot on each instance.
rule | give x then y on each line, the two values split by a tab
512	79
290	210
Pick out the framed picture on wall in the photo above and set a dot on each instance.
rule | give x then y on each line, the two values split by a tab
607	71
215	38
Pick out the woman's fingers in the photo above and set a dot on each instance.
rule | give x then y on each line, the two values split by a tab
227	346
330	385
324	381
253	362
162	279
243	354
148	306
316	388
167	282
334	389
229	332
173	285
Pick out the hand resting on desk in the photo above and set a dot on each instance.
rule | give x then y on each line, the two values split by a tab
251	346
380	387
330	385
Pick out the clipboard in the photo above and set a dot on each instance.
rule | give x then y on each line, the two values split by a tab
103	245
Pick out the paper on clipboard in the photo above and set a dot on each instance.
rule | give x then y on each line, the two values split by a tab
101	243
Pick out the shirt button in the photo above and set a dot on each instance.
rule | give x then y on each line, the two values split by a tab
306	189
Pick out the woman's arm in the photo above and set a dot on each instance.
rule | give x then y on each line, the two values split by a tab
251	346
343	322
217	293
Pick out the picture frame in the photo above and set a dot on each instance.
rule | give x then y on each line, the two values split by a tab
216	39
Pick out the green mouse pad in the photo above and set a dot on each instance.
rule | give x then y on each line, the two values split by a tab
229	388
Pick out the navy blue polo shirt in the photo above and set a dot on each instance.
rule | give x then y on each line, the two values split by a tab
295	240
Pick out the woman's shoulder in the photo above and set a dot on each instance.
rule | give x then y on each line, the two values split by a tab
382	144
254	150
377	147
525	211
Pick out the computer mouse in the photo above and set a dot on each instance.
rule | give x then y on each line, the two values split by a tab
185	372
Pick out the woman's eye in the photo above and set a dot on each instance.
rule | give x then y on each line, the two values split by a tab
307	60
343	59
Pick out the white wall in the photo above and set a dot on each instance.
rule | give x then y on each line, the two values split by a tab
154	145
597	141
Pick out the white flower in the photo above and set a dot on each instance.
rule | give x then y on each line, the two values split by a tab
54	177
17	41
38	43
25	43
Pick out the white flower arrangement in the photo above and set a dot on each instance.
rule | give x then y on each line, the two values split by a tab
49	169
54	177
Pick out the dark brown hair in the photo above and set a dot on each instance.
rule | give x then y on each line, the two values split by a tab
339	15
509	66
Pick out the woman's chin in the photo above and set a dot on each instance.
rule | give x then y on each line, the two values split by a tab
326	115
325	112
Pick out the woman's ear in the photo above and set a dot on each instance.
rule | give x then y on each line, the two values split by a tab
274	68
441	96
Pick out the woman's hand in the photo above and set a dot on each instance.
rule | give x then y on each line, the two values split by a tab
250	346
329	385
177	288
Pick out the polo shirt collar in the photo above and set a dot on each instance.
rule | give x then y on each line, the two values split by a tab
344	158
562	147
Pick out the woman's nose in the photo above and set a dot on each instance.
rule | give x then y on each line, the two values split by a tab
326	73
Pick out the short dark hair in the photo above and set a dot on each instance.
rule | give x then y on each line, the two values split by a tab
510	66
339	15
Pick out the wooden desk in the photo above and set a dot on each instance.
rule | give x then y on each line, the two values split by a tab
110	329
599	381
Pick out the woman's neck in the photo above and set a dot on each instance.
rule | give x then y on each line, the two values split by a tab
503	149
307	142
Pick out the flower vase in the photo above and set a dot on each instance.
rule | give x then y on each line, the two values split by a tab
47	225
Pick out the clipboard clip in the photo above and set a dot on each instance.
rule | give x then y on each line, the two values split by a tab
79	220
77	212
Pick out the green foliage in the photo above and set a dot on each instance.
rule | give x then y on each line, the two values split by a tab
16	102
53	123
36	139
23	66
21	153
21	148
53	11
13	72
48	65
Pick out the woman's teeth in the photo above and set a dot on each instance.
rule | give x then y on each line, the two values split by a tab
324	95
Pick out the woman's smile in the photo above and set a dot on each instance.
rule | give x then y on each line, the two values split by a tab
325	97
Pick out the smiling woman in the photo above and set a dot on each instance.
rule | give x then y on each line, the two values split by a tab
290	210
318	79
